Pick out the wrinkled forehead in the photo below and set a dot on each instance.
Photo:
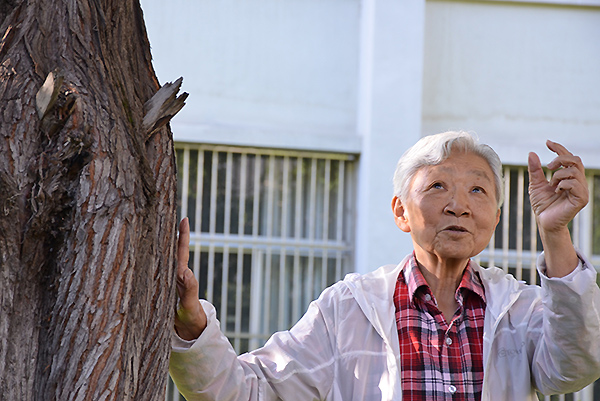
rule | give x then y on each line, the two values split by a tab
459	164
471	157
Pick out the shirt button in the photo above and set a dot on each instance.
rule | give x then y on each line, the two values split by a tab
427	297
452	389
449	342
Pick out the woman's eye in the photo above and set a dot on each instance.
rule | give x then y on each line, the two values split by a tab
437	185
478	190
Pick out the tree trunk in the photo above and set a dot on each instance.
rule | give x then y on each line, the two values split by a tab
87	204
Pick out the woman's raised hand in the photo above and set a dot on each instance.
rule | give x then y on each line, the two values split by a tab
556	202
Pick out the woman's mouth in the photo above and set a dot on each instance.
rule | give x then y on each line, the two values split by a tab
456	229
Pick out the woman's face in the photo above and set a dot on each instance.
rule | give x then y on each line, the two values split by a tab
451	209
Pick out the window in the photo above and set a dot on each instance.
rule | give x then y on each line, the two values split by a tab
270	230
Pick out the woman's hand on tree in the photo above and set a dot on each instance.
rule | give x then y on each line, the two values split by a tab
190	319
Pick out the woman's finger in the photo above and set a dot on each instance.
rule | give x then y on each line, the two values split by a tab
183	247
568	173
187	285
558	148
536	173
577	193
566	161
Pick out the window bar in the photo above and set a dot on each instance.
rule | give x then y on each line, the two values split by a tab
583	232
320	274
297	236
313	199
199	191
326	193
213	192
256	203
224	286
270	196
257	255
212	226
268	256
210	279
324	270
339	229
239	279
338	265
242	204
266	312
312	219
310	283
296	288
228	189
588	219
226	229
185	182
325	230
506	219
282	311
239	282
341	194
520	194
575	231
197	254
256	297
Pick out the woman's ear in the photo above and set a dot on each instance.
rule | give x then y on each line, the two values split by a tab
400	215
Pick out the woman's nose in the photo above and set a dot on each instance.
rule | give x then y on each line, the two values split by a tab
458	205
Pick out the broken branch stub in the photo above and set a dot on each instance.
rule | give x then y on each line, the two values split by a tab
161	107
48	93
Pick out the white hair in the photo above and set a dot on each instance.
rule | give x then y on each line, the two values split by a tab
434	149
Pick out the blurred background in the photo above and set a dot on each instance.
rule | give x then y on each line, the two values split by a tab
299	110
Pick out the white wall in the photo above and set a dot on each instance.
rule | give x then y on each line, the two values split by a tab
268	73
516	74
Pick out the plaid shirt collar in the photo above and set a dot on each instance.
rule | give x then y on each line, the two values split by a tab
417	285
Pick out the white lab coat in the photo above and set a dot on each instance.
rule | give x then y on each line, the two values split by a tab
346	345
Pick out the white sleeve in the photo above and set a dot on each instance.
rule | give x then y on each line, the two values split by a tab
295	364
568	357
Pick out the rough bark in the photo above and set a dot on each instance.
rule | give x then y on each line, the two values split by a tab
87	205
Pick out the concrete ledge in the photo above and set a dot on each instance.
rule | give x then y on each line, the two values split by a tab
267	138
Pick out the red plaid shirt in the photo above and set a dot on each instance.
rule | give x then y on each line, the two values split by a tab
439	361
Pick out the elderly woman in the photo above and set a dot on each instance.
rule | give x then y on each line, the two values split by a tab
436	326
